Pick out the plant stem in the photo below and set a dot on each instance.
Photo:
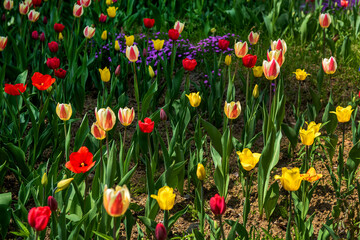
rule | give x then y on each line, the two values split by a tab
298	100
270	98
66	153
202	208
166	219
221	228
167	134
36	235
19	132
101	162
107	146
247	89
114	230
149	147
323	42
136	89
187	86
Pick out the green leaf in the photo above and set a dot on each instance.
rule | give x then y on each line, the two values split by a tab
352	163
271	198
214	135
5	201
176	216
103	236
82	133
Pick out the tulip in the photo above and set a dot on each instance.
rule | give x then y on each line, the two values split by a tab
163	116
89	32
189	64
52	203
132	53
109	2
241	49
105	74
63	184
325	20
329	65
279	45
111	11
223	44
308	136
148	22
33	16
290	179
105	118
53	63
232	110
64	111
35	35
102	18
271	69
144	53
160	232
60	73
97	132
158	44
58	27
200	172
253	38
29	3
301	74
117	46
23	8
257	71
311	175
78	10
248	159
151	72
126	116
8	4
116	201
343	114
37	3
228	60
80	161
117	71
45	20
165	198
42	37
3	42
194	99
344	3
255	92
213	30
173	34
179	26
249	60
15	89
278	55
104	35
53	46
147	126
217	205
38	217
61	36
44	179
129	40
314	126
42	82
85	3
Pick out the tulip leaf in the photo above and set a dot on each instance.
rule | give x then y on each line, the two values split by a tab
176	216
331	117
271	198
18	157
149	223
5	201
81	134
103	236
128	175
238	228
214	135
352	163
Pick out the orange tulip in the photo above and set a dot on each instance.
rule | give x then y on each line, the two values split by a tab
311	175
97	132
105	118
232	110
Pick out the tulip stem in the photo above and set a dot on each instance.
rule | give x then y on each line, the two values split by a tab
247	89
149	147
101	163
166	219
288	227
298	100
36	235
323	42
167	134
270	98
136	87
107	146
18	113
202	209
66	153
221	228
114	230
187	86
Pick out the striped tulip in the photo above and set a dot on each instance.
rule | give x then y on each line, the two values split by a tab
132	53
23	8
8	4
232	110
241	49
89	32
279	45
329	65
271	69
85	3
116	201
278	55
126	116
105	118
325	20
64	111
253	38
97	132
78	10
179	26
33	16
3	42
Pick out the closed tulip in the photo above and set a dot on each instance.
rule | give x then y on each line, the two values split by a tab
15	89
301	74
218	205
60	73
35	35
148	22
126	116
23	8
232	110
163	116
308	136
53	46
44	179
33	16
80	161
8	4
52	203
147	126
249	60
253	37
53	63
279	45
200	172
290	179
255	92
329	65
38	217
311	175
325	20
158	44
179	26
258	71
116	201
117	46
104	35
132	53
102	18
248	159
89	32
42	37
160	232
63	184
105	74
278	55
61	37
85	3
111	11
129	40
241	49
343	114
117	70
37	3
151	72
78	10
97	132
173	34
271	69
189	64
194	99
58	27
64	111
165	198
105	118
223	44
228	60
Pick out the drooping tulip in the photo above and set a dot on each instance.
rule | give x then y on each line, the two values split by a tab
15	89
194	99
80	161
329	65
325	20
232	110
241	49
97	132
147	126
165	198
64	111
290	179
105	118
271	69
343	114
132	53
105	74
126	116
253	37
38	217
178	26
218	205
89	32
33	16
248	159
116	201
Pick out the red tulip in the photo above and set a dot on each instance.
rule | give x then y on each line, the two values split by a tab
36	3
52	203
53	63
38	217
217	205
53	46
117	71
15	89
102	18
42	37
149	23
42	82
45	20
173	34
35	35
160	232
223	44
344	3
189	64
249	60
60	73
58	27
80	161
147	126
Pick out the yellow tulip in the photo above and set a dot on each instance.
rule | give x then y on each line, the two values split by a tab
109	2
97	132
314	126
256	91
311	175
228	60
111	11
290	179
343	114
105	118
158	44
132	53
248	159
105	74
258	71
232	110
151	72
117	46
200	172
44	180
61	37
116	201
213	30
241	49
129	40
308	136
104	35
63	184
64	111
165	198
301	74
194	99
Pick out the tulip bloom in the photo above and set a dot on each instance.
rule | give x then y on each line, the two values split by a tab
249	60
308	136
60	73
158	44
126	116
279	45
38	217
23	8
53	63
228	60
147	126
117	46
80	161
78	10
173	34
111	11
37	3
97	132
194	99
311	175
163	116
15	89
132	53
179	26
116	201
148	22
64	111
344	3
253	38
232	110
200	172
42	37
248	159
8	4
343	114
104	35
33	16
3	42
223	44
160	232
85	3
42	82
290	179
255	92
301	74
258	71
89	32
314	126
325	20
105	74
241	49
63	184
35	35
189	64
102	18
52	203
53	46
105	118
58	27
329	65
271	69
217	205
151	72
165	198
278	55
129	40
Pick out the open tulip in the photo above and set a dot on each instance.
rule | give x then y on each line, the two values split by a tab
232	110
60	73
117	46
173	34
228	60
129	40
80	161
301	74
23	8
104	35
194	99
105	74
147	126
126	116
63	184
148	22
343	114
258	71
179	26
53	63
290	179
85	3
311	175
116	201
241	49
158	44
200	172
271	69
105	118
165	198
111	11
58	27
78	10
64	111
278	55
97	132
89	32
248	159
42	82
325	20
223	44
15	89
132	53
255	92
218	205
329	65
38	217
253	38
249	60
189	64
279	45
33	16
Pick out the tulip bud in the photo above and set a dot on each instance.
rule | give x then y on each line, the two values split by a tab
52	203
117	46
104	35
44	180
117	71
336	4
200	172
160	232
49	89
213	30
151	72
63	184
256	91
45	20
228	60
217	205
61	37
145	53
35	35
42	37
3	17
215	225
163	116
